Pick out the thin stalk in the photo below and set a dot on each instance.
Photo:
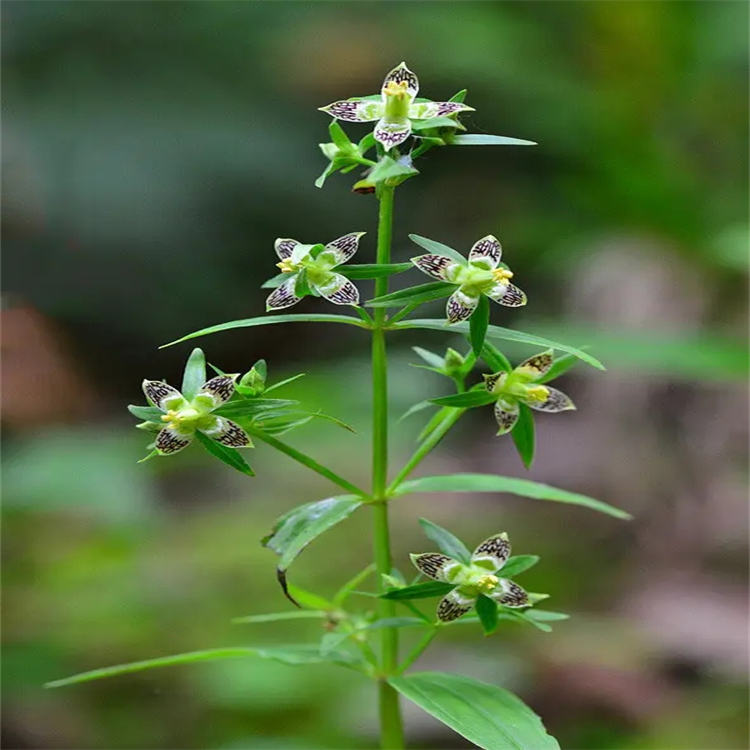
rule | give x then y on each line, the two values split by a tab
391	727
305	460
421	452
418	650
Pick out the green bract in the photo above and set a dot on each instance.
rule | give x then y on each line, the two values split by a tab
471	579
395	109
309	270
183	417
481	275
521	385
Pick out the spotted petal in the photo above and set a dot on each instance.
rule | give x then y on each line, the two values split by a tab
426	110
492	553
218	390
228	433
486	252
510	594
434	565
163	395
536	366
460	306
169	441
339	290
453	605
438	266
392	133
494	383
401	74
555	401
343	248
285	247
355	110
507	294
506	414
284	295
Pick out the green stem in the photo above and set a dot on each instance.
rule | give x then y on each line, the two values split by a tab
391	727
418	649
421	452
305	460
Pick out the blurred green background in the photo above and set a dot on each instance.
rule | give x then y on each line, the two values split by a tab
151	154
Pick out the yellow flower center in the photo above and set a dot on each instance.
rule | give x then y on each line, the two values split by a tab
537	393
286	266
487	583
502	274
396	89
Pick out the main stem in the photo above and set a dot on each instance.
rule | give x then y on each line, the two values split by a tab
391	727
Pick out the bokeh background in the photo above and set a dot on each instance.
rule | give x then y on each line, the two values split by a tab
151	154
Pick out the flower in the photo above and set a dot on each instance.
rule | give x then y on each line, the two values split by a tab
478	577
396	108
310	270
519	386
184	417
480	275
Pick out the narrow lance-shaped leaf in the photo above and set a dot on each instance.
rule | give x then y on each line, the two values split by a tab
518	564
496	360
426	590
437	248
512	485
446	542
486	715
468	400
412	295
230	456
267	321
523	435
487	611
373	270
477	139
195	374
478	324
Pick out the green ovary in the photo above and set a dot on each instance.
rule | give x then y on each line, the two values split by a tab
189	419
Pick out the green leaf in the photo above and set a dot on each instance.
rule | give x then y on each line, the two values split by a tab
195	374
436	122
446	542
250	407
495	483
476	139
437	419
459	96
495	359
308	599
338	136
517	614
478	324
302	525
466	400
496	332
487	612
394	171
295	614
559	367
432	359
373	270
284	382
426	590
523	435
230	456
149	413
295	654
518	564
414	295
543	615
489	716
269	320
438	248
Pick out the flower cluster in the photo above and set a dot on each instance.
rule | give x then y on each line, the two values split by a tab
308	269
182	417
478	577
481	275
394	109
522	386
